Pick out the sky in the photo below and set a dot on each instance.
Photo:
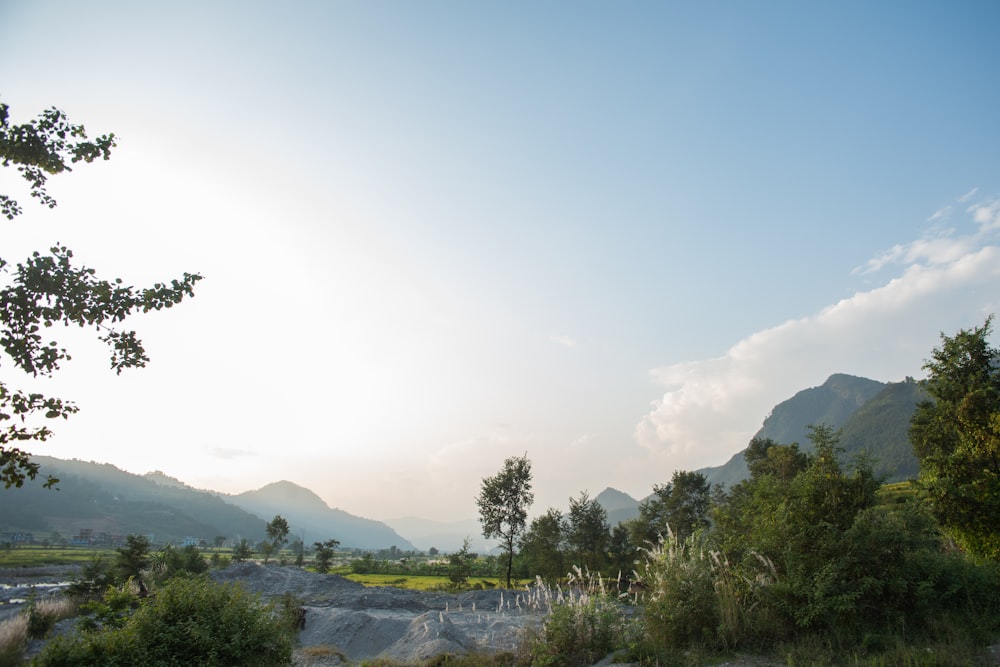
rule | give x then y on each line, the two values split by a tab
434	235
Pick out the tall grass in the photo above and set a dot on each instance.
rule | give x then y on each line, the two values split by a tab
13	640
34	622
583	622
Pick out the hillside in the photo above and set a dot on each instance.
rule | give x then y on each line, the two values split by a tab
872	416
881	427
104	499
619	505
312	520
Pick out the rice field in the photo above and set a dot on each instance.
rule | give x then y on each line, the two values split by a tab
427	582
38	556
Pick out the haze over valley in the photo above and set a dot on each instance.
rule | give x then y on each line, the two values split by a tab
436	235
872	419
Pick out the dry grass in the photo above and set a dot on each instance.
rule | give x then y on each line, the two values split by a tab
13	639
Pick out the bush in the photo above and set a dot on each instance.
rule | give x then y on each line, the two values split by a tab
578	633
188	622
43	616
682	607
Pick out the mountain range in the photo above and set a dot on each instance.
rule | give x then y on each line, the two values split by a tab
872	417
102	500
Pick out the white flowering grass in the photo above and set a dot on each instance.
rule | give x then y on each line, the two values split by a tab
13	639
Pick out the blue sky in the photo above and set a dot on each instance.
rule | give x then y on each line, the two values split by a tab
434	235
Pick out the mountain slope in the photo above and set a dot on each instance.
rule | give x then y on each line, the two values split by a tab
104	498
619	505
831	403
312	520
880	428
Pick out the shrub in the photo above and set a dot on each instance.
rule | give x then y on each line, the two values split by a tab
682	607
95	577
42	616
190	622
583	624
579	632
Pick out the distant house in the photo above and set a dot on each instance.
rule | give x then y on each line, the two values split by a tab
83	538
189	541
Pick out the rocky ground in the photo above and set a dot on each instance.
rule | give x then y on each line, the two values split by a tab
346	623
17	585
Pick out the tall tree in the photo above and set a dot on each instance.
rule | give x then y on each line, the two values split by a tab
956	437
324	553
587	532
542	546
503	504
133	558
679	507
48	288
277	534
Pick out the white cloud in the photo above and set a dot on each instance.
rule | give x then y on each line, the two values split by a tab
940	214
565	341
711	408
968	195
987	215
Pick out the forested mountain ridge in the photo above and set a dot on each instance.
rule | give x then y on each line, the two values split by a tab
101	498
872	417
312	520
104	499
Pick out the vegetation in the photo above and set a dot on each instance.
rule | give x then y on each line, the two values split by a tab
277	534
587	536
323	553
679	508
956	435
503	504
48	289
242	552
189	621
810	560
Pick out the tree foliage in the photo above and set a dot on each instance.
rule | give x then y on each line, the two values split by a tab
587	532
277	531
542	547
49	288
132	558
189	622
503	504
242	551
679	507
323	554
956	437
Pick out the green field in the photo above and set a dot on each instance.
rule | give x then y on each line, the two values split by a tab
426	582
36	556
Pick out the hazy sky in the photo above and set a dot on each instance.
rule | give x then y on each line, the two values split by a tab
438	234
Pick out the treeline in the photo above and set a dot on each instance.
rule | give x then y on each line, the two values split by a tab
805	548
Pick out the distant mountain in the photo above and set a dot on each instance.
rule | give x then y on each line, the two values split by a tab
619	505
105	499
881	429
313	520
872	416
445	536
